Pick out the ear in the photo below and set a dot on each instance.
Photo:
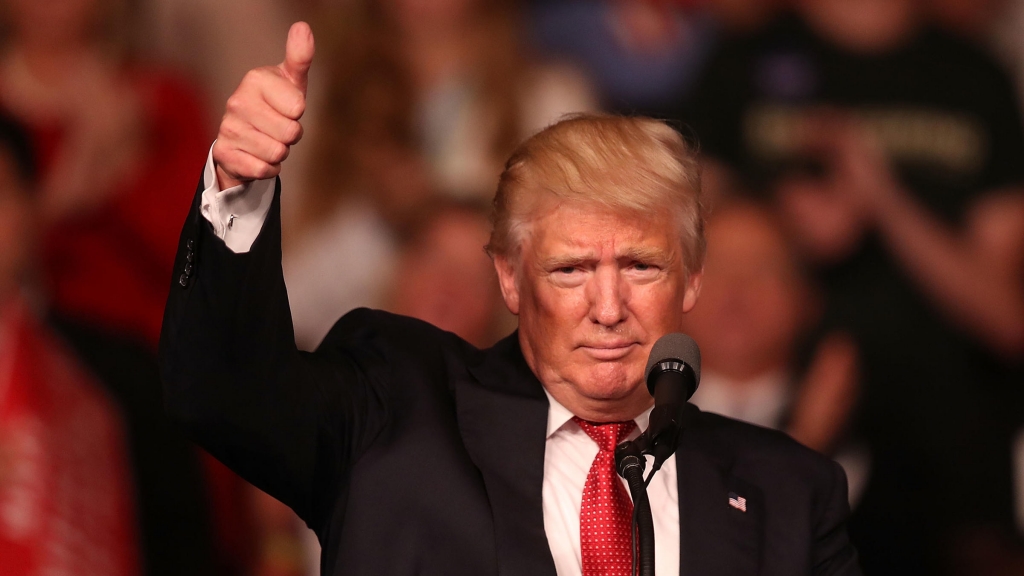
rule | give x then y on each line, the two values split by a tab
507	282
693	284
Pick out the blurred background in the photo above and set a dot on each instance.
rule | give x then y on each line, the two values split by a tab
864	286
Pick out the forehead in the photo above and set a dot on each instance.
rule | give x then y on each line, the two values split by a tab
584	230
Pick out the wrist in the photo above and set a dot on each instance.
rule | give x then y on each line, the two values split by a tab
225	180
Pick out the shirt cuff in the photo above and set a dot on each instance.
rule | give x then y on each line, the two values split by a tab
237	214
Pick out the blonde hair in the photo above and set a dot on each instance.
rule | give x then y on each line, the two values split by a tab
637	165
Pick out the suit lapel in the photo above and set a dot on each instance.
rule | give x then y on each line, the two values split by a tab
716	537
503	421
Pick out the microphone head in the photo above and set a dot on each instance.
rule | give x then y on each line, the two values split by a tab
675	346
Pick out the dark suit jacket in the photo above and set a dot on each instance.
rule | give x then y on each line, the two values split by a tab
409	451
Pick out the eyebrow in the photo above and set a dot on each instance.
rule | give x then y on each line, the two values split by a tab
566	260
646	254
636	253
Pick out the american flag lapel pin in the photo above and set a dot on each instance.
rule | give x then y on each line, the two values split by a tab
738	502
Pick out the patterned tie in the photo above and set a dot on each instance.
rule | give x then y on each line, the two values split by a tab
607	513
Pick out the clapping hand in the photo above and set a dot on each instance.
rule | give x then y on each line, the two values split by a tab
829	214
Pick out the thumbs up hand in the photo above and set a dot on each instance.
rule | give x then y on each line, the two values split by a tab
261	122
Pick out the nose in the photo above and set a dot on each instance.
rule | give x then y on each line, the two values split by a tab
607	297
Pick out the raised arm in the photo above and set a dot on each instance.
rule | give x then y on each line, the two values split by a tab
287	421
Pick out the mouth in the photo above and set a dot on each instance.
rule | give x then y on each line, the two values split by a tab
609	351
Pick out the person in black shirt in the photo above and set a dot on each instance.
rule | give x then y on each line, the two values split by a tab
894	153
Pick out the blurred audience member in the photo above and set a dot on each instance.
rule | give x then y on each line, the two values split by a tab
215	41
643	56
743	17
972	19
993	25
1004	34
119	146
894	152
755	311
445	276
65	488
419	97
755	307
451	78
377	180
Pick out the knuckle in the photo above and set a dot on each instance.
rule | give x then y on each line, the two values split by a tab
278	152
255	79
252	76
259	169
298	107
293	132
266	171
235	103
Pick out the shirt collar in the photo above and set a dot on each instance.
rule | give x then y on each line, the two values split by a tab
559	416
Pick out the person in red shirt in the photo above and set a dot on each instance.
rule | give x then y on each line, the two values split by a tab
66	500
119	144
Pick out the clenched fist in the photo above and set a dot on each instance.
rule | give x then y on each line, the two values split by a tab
262	118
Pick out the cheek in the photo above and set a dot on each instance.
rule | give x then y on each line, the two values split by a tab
557	306
658	308
778	308
551	318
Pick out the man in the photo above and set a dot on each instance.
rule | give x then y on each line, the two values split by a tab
892	150
408	450
756	307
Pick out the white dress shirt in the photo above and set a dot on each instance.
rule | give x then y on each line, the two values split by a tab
568	454
237	215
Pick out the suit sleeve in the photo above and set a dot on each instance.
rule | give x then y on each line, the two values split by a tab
290	422
833	552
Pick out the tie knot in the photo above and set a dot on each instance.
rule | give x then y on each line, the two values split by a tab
606	434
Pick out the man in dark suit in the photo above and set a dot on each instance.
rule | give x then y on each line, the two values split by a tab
407	450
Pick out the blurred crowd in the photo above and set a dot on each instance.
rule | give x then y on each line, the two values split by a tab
864	286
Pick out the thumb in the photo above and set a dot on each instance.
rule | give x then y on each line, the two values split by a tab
298	54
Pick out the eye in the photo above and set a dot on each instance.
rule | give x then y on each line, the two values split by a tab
567	269
644	267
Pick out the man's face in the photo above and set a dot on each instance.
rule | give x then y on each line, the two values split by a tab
755	300
594	290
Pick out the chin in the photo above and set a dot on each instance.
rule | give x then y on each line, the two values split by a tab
611	381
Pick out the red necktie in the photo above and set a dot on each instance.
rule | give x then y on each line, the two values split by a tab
607	513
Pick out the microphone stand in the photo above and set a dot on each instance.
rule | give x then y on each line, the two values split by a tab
630	463
659	440
672	375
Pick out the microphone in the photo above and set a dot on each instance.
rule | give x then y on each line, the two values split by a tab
672	375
